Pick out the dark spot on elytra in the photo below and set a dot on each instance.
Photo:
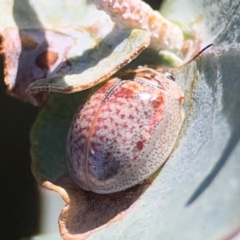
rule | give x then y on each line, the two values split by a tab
110	168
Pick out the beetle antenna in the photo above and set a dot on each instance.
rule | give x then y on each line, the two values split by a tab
175	69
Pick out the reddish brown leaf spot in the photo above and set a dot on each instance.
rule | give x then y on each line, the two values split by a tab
46	59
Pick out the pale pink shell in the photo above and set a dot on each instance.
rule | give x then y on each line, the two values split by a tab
124	132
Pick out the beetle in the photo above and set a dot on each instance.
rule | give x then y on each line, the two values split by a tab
125	131
128	127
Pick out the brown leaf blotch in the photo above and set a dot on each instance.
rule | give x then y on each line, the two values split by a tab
46	59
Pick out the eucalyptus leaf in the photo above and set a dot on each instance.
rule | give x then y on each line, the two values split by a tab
38	38
96	65
48	135
196	195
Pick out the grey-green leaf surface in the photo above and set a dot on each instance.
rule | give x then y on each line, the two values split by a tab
197	194
48	135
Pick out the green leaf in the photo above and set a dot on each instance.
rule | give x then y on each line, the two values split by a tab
196	195
48	135
96	65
